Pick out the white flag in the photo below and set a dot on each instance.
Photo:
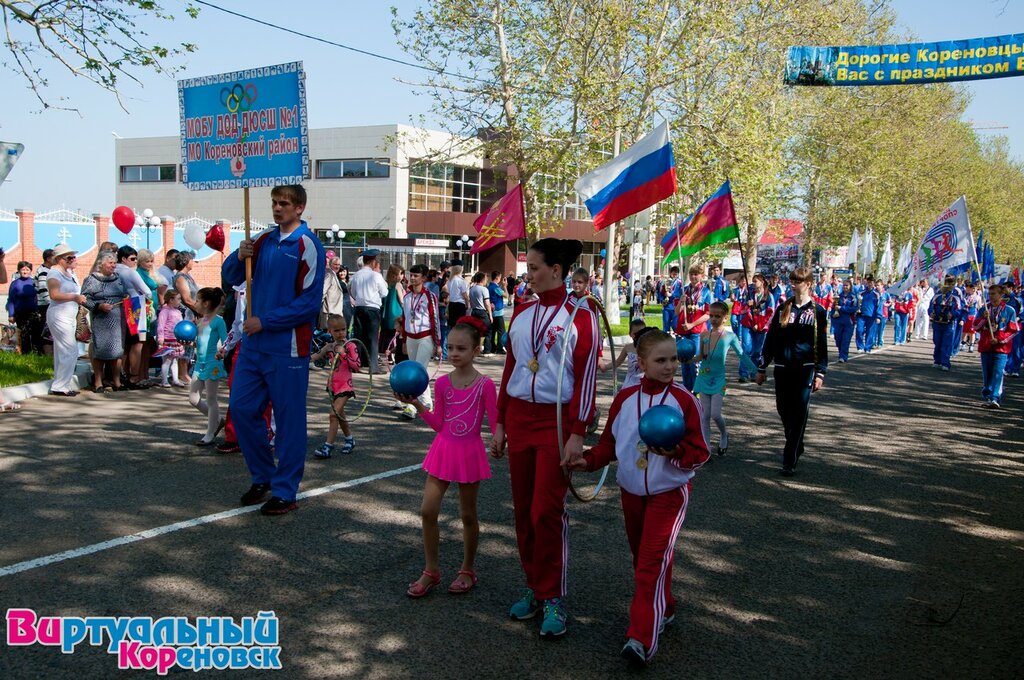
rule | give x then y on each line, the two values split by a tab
947	244
853	248
885	263
867	251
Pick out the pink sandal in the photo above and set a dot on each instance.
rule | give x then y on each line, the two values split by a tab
460	587
417	590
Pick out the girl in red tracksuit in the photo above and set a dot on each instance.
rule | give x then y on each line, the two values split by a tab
655	487
527	415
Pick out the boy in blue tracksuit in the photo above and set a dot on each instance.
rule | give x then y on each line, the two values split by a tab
287	287
844	313
884	312
718	284
673	289
867	314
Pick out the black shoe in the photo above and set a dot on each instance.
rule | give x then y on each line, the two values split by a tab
54	393
229	447
788	472
203	442
278	506
255	494
722	450
634	654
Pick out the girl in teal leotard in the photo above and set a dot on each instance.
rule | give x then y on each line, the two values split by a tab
710	384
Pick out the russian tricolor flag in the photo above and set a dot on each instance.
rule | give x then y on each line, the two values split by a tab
632	181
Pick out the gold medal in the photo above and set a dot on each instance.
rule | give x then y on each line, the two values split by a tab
641	463
533	365
641	447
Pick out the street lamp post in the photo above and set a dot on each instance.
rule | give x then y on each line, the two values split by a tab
148	220
336	233
464	244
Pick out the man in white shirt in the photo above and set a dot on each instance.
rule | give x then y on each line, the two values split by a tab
166	270
368	290
924	301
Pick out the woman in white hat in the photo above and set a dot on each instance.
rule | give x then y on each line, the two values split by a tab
61	317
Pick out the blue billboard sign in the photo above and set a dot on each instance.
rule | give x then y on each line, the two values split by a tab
244	129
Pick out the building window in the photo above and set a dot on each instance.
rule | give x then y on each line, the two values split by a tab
443	187
149	173
558	199
353	167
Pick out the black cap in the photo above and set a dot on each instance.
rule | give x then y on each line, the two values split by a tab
456	263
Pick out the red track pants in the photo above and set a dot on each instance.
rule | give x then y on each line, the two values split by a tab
538	496
652	525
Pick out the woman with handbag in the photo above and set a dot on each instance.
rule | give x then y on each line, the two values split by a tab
62	319
105	292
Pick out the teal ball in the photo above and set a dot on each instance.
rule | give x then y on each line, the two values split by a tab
409	378
662	427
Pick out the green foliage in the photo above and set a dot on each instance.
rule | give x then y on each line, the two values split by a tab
99	40
18	369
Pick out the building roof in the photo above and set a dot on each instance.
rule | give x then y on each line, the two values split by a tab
782	233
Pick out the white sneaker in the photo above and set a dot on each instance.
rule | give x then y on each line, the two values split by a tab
397	405
943	368
409	412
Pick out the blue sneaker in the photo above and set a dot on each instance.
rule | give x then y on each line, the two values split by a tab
525	608
555	615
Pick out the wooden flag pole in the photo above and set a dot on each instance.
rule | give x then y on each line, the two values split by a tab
248	260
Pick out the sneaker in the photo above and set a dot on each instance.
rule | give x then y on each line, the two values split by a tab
229	447
255	494
995	405
409	412
553	626
165	385
634	653
943	368
525	608
347	446
324	450
666	622
178	383
397	405
788	472
278	506
987	403
742	380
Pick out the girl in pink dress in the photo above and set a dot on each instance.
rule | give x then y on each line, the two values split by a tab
458	454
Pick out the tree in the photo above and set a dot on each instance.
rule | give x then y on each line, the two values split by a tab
99	40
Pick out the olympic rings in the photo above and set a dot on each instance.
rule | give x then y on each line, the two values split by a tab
238	98
369	388
582	498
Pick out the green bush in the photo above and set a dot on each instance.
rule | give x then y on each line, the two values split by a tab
18	369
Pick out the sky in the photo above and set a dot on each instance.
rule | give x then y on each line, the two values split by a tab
68	160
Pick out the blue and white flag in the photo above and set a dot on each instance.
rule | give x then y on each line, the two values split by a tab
946	245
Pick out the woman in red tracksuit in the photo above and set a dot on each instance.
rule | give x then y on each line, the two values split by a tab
527	415
655	487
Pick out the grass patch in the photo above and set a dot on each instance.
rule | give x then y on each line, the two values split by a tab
18	369
621	329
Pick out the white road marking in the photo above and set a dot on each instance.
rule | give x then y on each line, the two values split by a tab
187	524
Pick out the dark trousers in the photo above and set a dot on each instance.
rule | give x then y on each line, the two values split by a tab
456	310
494	335
792	397
368	320
30	331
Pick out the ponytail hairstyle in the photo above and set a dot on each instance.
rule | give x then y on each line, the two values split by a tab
648	338
798	275
211	296
472	325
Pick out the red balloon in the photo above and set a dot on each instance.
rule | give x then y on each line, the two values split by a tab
124	218
215	237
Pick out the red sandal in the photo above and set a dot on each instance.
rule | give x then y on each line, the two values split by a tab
417	590
460	587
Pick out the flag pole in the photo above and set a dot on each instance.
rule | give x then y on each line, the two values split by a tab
609	247
747	277
977	268
248	260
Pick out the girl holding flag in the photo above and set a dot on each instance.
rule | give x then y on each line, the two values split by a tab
997	323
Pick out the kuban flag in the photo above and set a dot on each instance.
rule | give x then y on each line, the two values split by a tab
505	221
946	245
632	181
714	222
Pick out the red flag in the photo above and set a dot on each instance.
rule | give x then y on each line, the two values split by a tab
505	221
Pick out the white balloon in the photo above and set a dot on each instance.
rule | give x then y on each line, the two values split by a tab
147	213
195	236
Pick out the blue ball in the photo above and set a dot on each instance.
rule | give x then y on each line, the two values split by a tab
662	427
409	378
686	348
185	331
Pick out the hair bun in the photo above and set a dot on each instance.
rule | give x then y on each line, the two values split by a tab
474	322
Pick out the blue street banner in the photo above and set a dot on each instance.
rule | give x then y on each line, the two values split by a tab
244	129
911	63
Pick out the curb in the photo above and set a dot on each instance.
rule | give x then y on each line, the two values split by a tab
17	393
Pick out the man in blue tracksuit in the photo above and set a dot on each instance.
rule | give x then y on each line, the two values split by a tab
287	287
943	312
867	314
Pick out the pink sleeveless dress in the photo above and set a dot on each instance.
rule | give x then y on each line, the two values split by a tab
458	453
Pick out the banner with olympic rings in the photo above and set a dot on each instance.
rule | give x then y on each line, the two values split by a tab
244	129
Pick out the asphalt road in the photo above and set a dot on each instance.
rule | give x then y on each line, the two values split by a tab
897	551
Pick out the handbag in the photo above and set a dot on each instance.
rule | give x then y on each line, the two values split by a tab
82	332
